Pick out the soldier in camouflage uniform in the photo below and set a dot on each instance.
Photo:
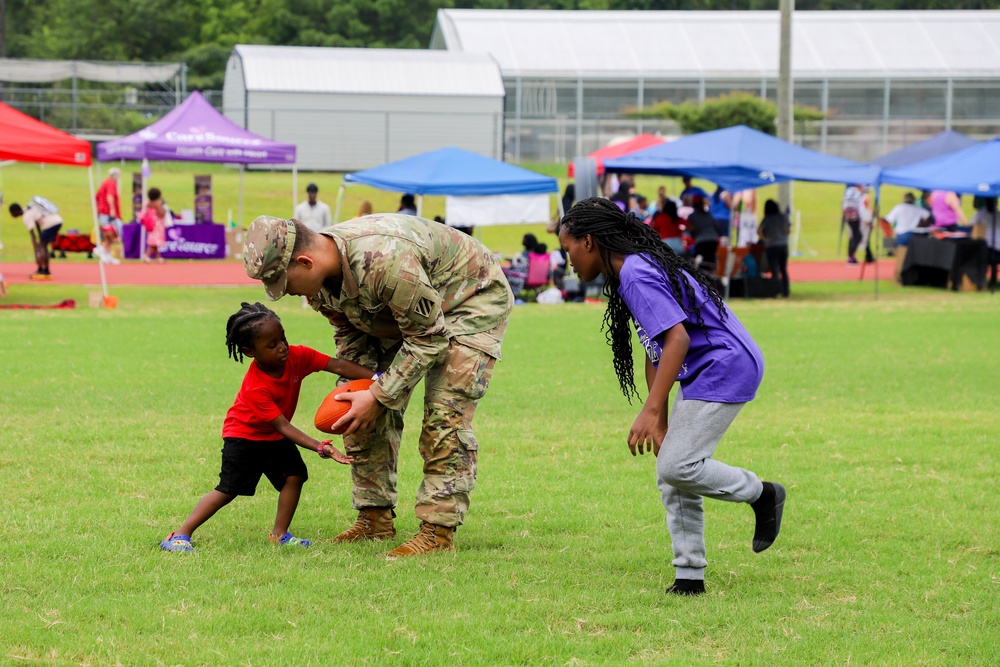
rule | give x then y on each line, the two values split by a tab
413	299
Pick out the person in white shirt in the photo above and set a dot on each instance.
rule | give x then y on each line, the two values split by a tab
407	205
904	218
43	225
313	213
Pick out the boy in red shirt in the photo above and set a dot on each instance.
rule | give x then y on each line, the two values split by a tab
258	438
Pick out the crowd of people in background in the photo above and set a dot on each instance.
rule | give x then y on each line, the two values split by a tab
694	225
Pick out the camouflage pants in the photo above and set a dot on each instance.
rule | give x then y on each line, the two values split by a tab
448	446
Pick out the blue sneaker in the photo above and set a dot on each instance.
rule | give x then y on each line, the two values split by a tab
175	542
289	540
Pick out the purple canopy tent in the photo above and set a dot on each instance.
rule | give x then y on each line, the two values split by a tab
196	132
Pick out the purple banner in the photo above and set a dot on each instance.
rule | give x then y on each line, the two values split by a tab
202	241
136	195
203	199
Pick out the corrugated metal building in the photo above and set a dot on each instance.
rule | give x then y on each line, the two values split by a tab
348	109
885	78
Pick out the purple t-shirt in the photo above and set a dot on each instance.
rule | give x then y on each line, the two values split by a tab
723	363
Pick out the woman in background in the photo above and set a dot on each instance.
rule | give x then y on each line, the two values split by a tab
773	231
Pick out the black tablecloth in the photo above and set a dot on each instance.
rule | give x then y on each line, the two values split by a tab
943	262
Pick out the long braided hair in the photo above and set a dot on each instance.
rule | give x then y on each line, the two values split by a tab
241	329
621	233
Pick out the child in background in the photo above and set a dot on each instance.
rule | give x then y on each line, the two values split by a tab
258	438
692	338
155	218
669	226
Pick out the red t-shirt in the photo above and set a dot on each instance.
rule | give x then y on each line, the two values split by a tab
263	398
666	226
107	199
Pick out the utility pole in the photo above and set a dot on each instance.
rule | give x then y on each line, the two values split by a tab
3	28
785	93
3	46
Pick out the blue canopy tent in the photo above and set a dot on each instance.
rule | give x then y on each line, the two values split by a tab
455	173
974	170
940	144
741	158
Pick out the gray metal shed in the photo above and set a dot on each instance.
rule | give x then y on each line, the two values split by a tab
348	109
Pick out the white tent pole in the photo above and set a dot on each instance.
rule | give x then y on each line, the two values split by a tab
97	229
340	199
239	213
1	202
420	206
295	186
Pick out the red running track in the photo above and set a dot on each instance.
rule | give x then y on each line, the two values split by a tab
177	272
229	273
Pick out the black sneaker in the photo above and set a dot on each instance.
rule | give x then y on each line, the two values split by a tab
688	587
767	509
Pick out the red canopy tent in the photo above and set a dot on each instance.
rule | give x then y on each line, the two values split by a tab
637	143
24	139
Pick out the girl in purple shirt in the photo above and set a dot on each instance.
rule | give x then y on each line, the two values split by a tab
691	338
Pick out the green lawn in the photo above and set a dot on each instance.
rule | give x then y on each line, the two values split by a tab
879	416
271	193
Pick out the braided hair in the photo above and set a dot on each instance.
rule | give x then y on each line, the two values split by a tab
619	233
241	329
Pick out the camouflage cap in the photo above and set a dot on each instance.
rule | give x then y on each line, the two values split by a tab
267	251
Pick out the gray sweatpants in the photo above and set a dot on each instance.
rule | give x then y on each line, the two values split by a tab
686	471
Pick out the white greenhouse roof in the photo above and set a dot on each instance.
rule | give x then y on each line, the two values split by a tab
717	44
310	69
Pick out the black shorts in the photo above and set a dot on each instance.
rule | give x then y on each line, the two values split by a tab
49	235
244	461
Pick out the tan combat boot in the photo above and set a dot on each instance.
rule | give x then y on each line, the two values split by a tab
373	523
429	538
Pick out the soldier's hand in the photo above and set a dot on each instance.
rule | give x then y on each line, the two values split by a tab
365	409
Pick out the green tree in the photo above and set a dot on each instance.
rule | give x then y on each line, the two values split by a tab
111	29
723	111
349	23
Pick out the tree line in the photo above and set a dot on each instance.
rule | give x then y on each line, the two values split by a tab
202	33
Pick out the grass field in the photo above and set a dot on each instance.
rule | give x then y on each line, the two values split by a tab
879	416
271	193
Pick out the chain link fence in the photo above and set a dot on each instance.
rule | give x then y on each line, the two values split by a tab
98	112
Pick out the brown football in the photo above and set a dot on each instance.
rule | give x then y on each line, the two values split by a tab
331	409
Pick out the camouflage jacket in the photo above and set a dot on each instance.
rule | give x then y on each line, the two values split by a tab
421	282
